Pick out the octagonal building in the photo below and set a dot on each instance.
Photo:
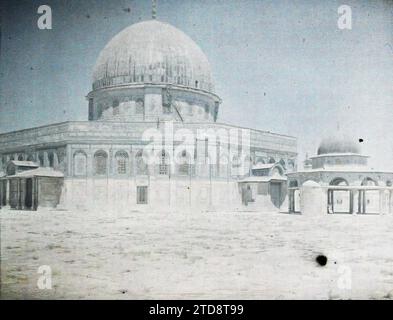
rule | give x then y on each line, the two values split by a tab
152	140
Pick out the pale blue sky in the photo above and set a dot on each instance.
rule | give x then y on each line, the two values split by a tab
281	66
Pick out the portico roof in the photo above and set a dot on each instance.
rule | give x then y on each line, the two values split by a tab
24	163
39	172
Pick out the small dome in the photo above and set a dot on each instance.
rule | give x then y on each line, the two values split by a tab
152	52
338	145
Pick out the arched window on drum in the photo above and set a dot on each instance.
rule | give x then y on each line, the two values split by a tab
207	111
51	159
282	163
41	159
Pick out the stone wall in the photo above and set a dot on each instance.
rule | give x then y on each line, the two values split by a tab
54	145
162	194
49	191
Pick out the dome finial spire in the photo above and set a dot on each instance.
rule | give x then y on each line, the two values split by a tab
154	9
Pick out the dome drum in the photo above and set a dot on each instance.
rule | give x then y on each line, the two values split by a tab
150	102
338	152
151	71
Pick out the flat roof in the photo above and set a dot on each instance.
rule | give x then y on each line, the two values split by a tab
38	172
24	163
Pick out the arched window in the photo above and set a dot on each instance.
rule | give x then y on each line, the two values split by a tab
141	166
164	163
51	159
30	157
207	111
236	161
80	163
339	182
369	182
388	183
41	159
20	157
121	162
184	164
282	163
100	162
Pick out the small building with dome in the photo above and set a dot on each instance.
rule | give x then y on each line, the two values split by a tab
342	173
151	83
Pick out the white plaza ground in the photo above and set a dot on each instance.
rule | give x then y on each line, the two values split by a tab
221	255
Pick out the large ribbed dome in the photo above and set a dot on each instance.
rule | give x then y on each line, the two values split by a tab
152	52
338	145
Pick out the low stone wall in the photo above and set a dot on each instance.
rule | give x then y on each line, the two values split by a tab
162	194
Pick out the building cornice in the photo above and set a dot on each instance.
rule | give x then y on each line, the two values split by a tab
145	85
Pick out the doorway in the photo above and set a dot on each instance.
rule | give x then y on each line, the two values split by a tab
275	193
247	195
141	194
3	197
29	194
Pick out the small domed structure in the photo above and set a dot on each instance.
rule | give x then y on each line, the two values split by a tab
338	152
338	145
